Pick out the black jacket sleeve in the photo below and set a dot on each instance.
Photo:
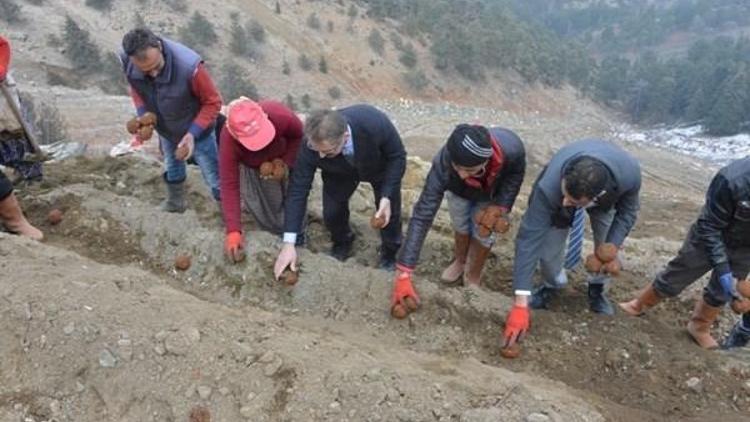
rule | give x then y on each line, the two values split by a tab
512	180
299	189
714	218
423	215
392	149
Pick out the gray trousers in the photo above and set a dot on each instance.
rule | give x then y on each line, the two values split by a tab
691	263
462	213
552	255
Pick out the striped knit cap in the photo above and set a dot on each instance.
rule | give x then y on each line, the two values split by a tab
469	145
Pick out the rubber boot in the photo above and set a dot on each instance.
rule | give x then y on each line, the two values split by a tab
647	298
542	296
598	301
460	248
343	250
387	257
738	337
175	201
475	260
700	323
13	219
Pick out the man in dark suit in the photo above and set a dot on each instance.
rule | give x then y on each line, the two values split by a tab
350	145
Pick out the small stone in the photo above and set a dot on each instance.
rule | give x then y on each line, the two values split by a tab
204	392
267	357
334	406
161	335
192	334
246	412
537	417
177	343
160	350
272	368
107	359
80	387
224	391
69	328
55	407
250	396
125	349
695	385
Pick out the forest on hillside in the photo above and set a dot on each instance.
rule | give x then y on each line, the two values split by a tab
609	50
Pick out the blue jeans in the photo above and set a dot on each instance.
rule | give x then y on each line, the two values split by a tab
205	155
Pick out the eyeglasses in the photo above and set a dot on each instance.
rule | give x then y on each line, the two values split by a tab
329	152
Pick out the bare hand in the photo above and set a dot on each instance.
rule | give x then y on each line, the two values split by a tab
384	211
287	258
185	148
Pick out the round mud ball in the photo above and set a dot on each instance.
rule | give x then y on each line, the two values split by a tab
511	352
399	311
410	303
148	119
606	252
479	216
278	172
484	231
200	414
289	277
132	126
593	264
377	223
55	217
266	169
501	226
741	306
743	288
145	132
278	162
612	268
182	262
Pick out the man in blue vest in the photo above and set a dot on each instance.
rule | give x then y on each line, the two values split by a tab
169	80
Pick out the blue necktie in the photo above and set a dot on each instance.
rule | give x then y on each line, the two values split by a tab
575	240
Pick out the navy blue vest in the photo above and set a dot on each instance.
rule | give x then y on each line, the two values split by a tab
169	95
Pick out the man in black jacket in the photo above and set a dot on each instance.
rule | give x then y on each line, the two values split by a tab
351	145
719	241
480	171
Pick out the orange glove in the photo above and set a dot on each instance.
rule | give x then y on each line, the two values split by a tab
404	299
516	325
233	247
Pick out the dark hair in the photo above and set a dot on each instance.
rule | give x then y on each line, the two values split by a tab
139	40
325	125
585	177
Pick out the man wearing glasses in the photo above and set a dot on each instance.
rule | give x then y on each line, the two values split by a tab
351	145
589	175
480	172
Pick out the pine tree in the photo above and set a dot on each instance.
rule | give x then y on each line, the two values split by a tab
198	31
238	42
322	65
289	101
234	83
79	49
278	8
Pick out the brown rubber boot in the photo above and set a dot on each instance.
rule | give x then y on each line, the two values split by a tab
647	298
13	220
700	323
475	262
460	248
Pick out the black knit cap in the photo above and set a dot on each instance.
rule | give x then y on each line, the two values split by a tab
469	145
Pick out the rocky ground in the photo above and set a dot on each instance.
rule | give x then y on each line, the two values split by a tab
99	326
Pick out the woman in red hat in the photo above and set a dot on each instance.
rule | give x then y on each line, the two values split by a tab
257	147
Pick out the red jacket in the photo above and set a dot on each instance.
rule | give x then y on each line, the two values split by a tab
4	57
232	154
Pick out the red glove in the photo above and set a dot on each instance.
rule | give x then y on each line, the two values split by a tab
404	299
516	325
3	73
233	247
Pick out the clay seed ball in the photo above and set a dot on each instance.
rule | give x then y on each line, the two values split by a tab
266	169
606	252
399	311
145	132
55	217
278	173
479	216
278	162
484	231
182	262
290	277
148	119
743	288
612	268
511	352
411	304
132	126
741	306
377	223
502	225
593	264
